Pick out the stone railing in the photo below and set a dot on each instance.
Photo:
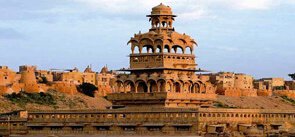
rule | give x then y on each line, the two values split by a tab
161	96
137	96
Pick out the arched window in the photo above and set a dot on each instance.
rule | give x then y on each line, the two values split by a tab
119	86
141	86
162	85
159	49
129	86
177	87
178	49
188	50
163	23
195	88
147	49
152	86
136	49
166	49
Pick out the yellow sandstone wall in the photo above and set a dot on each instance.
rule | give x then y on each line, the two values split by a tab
264	92
65	87
236	92
288	93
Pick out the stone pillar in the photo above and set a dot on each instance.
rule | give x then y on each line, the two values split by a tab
124	88
159	87
135	88
148	88
190	88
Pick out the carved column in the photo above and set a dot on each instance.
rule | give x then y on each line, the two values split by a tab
148	87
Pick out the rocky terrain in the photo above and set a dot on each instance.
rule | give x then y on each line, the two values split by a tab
59	101
54	100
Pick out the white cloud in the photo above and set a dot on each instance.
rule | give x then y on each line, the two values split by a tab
251	4
186	9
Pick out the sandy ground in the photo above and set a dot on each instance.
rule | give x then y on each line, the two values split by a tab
274	102
64	102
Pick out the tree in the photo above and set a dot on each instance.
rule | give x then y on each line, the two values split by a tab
292	76
44	80
87	89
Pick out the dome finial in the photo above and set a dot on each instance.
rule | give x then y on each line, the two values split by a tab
161	17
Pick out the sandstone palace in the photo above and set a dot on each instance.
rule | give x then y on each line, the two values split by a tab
163	92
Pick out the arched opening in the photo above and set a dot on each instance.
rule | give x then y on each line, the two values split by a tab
157	23
163	23
169	86
129	86
136	50
188	50
195	88
141	87
166	49
119	86
152	86
158	50
186	87
147	49
177	87
177	49
162	85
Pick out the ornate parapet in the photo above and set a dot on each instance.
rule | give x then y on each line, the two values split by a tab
163	99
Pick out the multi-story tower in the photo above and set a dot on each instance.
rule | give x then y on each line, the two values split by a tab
162	62
162	49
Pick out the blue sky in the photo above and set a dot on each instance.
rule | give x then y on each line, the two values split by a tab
255	37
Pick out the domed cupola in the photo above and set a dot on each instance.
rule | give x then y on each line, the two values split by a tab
161	17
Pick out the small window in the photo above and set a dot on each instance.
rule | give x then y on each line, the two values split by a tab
36	128
183	128
131	128
154	128
77	128
103	128
55	128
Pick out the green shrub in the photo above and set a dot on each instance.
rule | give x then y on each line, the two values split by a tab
221	105
23	98
292	101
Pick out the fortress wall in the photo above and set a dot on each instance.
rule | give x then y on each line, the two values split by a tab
232	118
288	93
103	90
16	87
290	84
264	92
243	81
170	120
6	76
3	90
65	87
236	92
31	87
28	74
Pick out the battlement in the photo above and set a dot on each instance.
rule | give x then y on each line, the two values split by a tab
3	67
27	68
